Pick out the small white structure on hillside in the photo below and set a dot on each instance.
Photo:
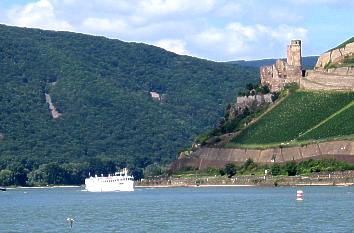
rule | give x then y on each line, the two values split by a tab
155	95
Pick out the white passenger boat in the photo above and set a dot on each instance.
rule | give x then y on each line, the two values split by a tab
120	181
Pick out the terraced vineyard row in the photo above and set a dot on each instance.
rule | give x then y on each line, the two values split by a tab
298	113
340	125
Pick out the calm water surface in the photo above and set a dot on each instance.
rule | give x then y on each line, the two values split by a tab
324	209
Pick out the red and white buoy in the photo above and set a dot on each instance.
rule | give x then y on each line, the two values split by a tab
299	195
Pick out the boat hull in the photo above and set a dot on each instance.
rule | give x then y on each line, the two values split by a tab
102	185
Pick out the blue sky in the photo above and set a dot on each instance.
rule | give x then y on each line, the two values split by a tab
218	30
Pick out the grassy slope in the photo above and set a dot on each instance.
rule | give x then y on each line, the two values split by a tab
343	44
298	113
102	90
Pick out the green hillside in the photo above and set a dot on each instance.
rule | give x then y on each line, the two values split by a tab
102	91
303	116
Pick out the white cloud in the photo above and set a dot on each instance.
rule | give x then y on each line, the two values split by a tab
39	14
313	2
173	45
236	40
168	7
213	29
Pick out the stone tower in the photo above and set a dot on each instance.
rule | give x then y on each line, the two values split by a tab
294	53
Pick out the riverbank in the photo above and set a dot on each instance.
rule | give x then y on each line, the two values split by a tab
242	186
344	178
340	178
44	187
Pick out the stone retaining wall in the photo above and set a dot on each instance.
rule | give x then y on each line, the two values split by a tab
204	158
316	80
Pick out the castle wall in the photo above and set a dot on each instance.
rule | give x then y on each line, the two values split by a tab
335	79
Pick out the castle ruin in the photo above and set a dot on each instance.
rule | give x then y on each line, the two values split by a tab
281	73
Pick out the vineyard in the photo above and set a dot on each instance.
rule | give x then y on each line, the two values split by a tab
338	126
303	116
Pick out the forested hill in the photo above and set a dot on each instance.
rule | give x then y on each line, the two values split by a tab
101	87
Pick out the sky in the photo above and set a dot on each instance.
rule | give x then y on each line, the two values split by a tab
219	30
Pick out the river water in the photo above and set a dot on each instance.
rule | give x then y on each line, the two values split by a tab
252	209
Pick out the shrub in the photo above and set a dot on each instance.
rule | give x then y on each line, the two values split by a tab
291	168
249	165
213	171
275	169
230	169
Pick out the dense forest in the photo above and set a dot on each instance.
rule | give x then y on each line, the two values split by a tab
102	89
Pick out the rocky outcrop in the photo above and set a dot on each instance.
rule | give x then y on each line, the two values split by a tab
251	102
54	112
335	56
218	157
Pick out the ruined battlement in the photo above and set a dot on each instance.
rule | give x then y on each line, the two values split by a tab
284	72
294	54
334	69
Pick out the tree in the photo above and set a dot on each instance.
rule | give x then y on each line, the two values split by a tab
230	169
221	172
53	173
275	169
265	89
249	86
249	164
6	177
153	170
137	173
20	174
291	168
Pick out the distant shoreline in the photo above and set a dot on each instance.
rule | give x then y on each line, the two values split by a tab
341	178
44	187
195	186
242	185
201	186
